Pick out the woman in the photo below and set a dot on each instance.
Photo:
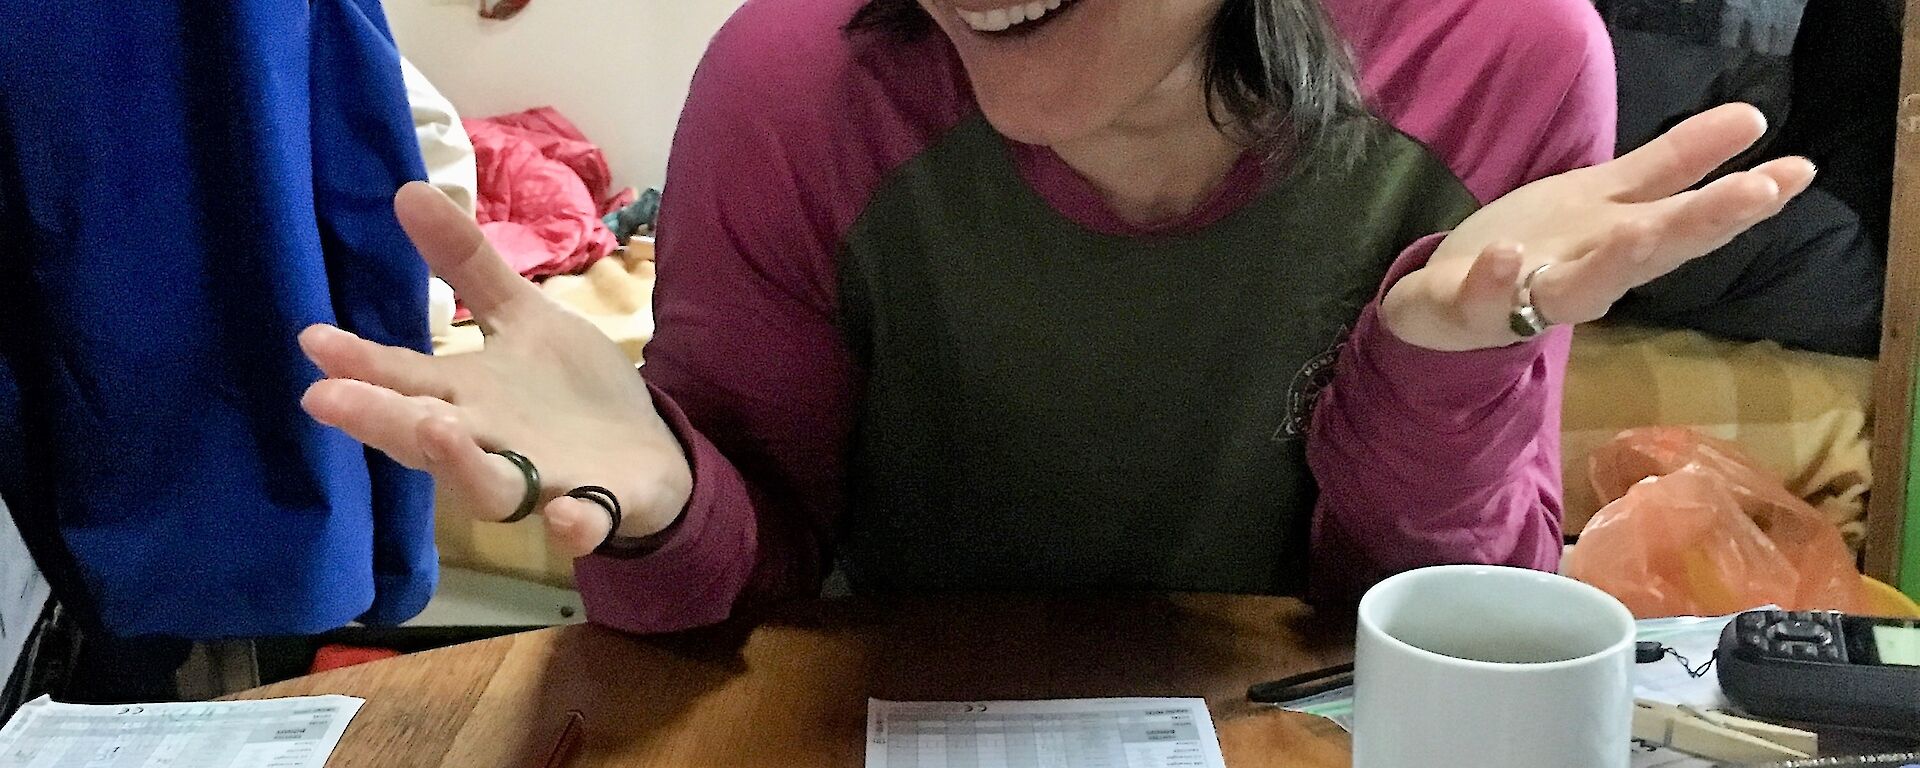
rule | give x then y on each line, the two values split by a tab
996	295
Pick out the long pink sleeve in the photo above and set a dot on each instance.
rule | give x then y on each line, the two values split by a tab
787	131
1427	457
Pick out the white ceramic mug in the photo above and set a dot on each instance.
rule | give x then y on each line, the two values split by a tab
1469	666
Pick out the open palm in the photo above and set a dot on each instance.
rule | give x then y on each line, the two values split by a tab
547	385
1606	229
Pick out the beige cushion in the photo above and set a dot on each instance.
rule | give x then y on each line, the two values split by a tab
1802	414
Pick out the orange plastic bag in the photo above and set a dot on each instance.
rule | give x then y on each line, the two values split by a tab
1692	526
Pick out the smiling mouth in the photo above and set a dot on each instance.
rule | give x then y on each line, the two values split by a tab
1014	20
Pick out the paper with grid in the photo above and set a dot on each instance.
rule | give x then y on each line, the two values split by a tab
272	733
1061	733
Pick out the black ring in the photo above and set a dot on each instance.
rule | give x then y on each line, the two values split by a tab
531	474
607	501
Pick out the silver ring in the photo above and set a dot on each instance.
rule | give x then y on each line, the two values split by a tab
1526	321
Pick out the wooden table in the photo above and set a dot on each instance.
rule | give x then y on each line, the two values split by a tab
793	692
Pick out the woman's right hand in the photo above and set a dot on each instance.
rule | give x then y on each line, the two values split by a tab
547	385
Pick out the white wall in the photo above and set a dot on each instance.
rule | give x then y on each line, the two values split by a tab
617	68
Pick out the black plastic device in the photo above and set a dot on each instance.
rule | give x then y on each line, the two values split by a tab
1824	667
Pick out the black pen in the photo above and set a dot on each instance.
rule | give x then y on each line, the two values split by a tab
1301	686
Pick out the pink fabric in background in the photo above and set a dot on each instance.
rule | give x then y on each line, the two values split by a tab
543	189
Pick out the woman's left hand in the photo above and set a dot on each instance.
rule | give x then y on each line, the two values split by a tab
1606	229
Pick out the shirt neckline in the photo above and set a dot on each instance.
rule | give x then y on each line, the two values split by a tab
1074	197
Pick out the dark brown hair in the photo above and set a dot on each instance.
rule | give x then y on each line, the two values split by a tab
1279	74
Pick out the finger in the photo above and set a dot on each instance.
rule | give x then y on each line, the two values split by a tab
1582	290
456	250
379	417
1681	157
1690	225
343	355
488	486
1492	278
1792	174
421	433
575	528
1694	223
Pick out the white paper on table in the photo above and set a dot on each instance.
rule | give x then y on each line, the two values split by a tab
1056	733
296	732
23	594
1666	680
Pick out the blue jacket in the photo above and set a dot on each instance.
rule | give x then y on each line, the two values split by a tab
184	185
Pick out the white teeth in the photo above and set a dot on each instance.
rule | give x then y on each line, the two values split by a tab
1001	18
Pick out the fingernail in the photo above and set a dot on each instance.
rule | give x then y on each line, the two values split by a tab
309	399
317	332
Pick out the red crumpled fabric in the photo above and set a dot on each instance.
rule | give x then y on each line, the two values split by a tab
543	188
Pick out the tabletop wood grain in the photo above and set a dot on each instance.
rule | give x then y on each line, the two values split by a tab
793	691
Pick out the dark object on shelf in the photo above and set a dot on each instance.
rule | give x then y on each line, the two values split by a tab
1825	74
638	218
